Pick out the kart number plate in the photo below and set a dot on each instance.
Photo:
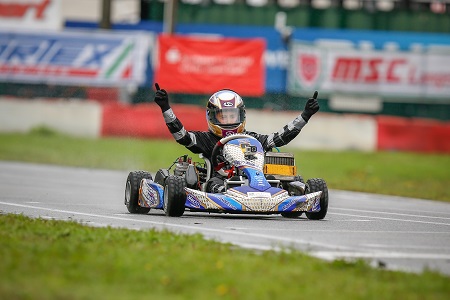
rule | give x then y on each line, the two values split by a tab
258	195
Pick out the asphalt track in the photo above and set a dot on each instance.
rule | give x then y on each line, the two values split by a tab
389	232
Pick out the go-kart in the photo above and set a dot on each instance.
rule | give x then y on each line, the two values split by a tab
255	182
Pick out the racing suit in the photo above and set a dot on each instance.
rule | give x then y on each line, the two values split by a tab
204	141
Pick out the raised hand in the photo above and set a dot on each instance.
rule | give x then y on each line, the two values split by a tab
311	107
161	98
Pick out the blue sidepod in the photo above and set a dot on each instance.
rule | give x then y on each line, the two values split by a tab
151	194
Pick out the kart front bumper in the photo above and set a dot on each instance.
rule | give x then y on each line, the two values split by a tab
234	201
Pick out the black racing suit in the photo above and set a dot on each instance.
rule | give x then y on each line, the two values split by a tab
204	141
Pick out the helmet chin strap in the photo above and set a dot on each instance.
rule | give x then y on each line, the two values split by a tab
226	132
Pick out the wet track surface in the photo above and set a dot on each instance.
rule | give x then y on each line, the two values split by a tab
390	232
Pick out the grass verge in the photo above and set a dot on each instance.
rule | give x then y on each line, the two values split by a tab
47	259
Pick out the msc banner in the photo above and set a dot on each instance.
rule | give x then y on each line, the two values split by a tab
200	65
374	72
75	58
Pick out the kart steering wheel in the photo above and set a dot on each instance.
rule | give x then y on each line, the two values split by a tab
219	167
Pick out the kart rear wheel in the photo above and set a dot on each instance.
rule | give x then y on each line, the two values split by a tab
132	191
316	185
174	196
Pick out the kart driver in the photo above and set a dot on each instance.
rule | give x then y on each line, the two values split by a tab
225	115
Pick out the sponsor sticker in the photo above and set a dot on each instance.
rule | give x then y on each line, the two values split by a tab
150	195
193	201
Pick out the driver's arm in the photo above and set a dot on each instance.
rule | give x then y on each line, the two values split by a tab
282	137
286	134
197	142
175	126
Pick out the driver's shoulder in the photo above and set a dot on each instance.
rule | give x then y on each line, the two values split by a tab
205	134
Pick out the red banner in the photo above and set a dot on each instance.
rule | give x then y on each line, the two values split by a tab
200	65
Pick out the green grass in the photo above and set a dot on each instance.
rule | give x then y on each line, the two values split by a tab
47	259
424	176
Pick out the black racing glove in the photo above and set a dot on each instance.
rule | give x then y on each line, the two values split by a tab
161	98
311	107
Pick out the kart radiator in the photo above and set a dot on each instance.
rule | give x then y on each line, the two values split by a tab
279	163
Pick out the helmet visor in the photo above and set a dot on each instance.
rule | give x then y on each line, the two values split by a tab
227	116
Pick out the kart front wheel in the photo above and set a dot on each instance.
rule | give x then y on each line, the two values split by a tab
316	185
174	196
132	191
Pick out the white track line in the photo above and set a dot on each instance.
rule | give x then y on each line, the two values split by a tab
390	213
182	226
331	255
390	219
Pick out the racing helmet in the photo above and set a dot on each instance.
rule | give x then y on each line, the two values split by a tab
225	113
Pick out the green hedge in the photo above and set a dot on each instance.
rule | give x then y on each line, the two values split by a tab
305	16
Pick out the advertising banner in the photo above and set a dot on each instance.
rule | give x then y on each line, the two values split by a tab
200	65
374	72
31	14
75	57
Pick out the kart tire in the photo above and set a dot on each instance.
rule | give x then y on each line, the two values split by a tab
174	196
316	185
132	191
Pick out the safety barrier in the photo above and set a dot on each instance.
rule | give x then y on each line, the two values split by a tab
324	131
146	120
418	135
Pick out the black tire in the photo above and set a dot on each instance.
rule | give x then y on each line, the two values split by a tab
316	185
174	196
132	191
